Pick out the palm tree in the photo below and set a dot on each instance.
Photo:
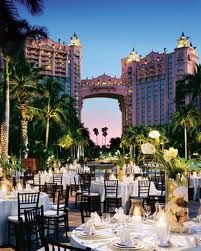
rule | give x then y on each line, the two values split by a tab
53	107
96	132
104	131
13	34
24	85
187	117
190	86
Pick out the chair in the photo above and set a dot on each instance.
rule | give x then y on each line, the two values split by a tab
90	202
33	228
36	180
25	201
112	200
52	188
63	247
57	178
74	187
143	191
59	212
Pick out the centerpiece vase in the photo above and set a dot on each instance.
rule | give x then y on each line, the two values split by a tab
121	175
177	202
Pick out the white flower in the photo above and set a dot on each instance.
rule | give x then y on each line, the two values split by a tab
181	192
167	155
148	148
173	152
154	134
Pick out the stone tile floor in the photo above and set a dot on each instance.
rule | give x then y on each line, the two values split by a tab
75	219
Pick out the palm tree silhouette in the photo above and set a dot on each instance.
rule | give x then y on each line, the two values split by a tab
104	131
96	132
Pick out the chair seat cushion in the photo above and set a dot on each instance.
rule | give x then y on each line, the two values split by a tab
52	213
54	207
14	218
113	197
78	191
91	194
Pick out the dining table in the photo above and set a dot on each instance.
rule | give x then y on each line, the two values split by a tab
108	236
125	189
9	207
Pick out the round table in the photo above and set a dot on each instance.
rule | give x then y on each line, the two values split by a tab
104	238
125	189
8	207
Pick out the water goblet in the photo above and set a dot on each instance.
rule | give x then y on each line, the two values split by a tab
147	211
106	217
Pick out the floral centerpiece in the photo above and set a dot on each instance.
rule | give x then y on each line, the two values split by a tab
176	170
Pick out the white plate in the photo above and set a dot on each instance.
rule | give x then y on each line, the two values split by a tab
118	245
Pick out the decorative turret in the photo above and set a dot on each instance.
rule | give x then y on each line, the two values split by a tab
183	41
133	56
75	40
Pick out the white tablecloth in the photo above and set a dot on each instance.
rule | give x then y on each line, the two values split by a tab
67	179
195	182
125	189
147	234
9	208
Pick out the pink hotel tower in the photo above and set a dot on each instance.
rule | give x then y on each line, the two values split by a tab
146	89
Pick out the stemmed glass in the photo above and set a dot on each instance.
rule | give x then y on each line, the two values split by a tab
106	217
147	211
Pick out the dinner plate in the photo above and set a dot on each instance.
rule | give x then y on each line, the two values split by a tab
84	235
118	245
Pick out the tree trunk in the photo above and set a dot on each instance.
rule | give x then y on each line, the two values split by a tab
185	142
24	130
131	151
47	132
24	137
5	118
48	124
134	150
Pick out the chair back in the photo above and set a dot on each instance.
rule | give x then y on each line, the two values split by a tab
85	178
27	201
111	188
143	188
36	179
34	228
51	246
62	200
52	188
85	188
57	178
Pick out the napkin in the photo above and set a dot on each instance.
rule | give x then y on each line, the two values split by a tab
119	214
95	218
126	239
90	228
36	189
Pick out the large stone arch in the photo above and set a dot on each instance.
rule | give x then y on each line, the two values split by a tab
105	86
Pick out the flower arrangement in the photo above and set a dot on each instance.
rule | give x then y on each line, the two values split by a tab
167	158
52	161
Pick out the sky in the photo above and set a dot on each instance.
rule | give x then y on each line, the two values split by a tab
108	30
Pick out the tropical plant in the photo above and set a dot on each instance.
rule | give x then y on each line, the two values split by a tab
186	117
104	131
96	132
52	107
14	33
24	86
190	86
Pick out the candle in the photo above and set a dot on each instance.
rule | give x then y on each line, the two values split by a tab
19	187
4	188
163	229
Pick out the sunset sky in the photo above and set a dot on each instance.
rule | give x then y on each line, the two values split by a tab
108	30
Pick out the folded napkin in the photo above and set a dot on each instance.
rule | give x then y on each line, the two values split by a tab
183	241
36	189
95	218
126	239
119	214
90	228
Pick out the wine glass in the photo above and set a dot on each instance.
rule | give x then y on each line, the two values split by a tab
106	217
147	211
